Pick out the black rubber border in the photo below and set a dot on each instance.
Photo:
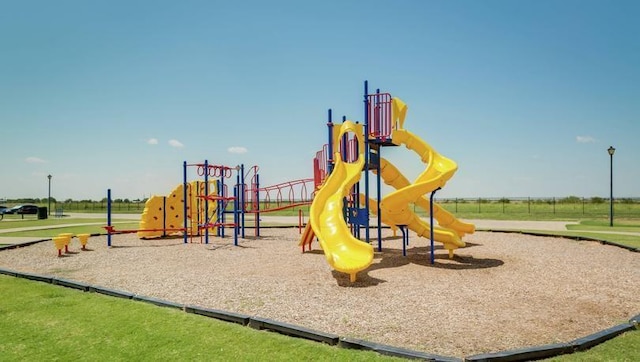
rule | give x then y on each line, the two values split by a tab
577	238
293	330
21	245
111	292
71	284
586	342
523	354
9	272
158	302
354	343
218	314
36	277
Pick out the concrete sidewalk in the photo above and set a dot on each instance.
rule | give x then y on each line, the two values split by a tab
510	225
13	240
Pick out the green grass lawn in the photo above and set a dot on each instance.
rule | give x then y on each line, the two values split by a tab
41	322
623	348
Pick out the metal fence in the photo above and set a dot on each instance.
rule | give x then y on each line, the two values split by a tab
577	207
571	206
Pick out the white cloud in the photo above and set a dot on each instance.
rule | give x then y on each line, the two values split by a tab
34	160
585	139
237	149
152	141
175	143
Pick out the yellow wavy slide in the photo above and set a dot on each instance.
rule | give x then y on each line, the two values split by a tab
392	177
343	251
396	206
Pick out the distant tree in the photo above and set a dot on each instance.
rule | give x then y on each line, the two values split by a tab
570	200
127	201
68	201
504	200
597	200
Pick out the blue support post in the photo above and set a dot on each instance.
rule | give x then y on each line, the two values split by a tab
257	198
109	217
330	144
366	158
243	202
184	200
433	193
379	188
235	213
405	238
164	216
220	206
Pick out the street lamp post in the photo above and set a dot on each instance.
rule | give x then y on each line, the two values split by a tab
49	198
611	151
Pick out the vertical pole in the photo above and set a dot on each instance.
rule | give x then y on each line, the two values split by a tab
329	144
257	191
222	206
164	216
379	195
433	257
219	204
235	215
206	202
109	217
243	201
185	200
405	239
367	149
300	221
378	183
611	188
49	196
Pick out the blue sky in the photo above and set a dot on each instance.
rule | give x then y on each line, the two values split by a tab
526	96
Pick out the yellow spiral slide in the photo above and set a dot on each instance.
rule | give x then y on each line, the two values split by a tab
396	207
342	250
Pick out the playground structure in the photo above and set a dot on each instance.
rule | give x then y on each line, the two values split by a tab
338	202
339	210
211	208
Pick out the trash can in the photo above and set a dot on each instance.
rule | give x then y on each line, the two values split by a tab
42	213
